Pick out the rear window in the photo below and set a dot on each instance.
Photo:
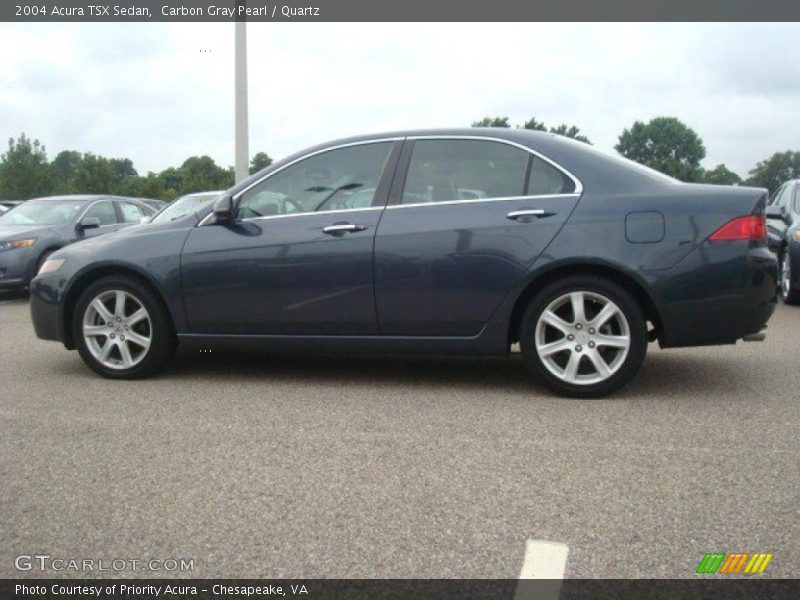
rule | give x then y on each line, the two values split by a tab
465	169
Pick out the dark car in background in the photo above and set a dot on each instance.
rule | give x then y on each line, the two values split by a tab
36	228
428	242
783	228
180	207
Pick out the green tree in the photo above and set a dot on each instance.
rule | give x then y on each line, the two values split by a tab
772	172
24	170
721	175
64	166
123	168
492	122
95	175
665	144
202	174
570	131
260	161
534	125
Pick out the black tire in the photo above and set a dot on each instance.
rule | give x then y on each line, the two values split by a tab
792	297
163	341
627	365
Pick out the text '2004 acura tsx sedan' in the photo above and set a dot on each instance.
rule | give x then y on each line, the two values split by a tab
432	242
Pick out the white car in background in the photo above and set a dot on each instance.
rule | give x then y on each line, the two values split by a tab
182	206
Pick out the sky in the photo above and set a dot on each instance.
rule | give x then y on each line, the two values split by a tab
158	93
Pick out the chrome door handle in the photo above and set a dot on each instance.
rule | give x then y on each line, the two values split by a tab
342	228
531	212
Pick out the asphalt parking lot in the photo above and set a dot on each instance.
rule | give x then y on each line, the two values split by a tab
266	466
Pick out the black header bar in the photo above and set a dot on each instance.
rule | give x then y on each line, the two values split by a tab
398	10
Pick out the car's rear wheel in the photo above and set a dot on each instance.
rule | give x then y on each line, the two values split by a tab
789	295
122	329
584	336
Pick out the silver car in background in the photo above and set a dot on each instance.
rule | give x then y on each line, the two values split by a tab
183	206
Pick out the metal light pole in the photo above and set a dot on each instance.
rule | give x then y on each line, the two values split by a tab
241	132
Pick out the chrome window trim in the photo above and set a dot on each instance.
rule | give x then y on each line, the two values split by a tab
578	184
577	192
238	195
477	200
308	214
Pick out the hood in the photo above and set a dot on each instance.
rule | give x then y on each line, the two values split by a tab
15	232
105	245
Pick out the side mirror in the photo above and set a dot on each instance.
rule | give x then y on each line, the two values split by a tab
89	223
223	209
144	220
773	211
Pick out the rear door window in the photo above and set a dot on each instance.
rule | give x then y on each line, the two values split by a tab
447	170
465	169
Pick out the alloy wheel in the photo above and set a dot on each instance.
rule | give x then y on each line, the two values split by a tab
117	329
582	338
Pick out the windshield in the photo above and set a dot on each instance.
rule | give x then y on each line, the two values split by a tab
183	206
43	212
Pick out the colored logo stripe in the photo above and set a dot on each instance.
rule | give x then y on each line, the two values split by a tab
734	563
711	562
758	563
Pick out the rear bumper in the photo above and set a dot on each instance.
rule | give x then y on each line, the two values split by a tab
719	294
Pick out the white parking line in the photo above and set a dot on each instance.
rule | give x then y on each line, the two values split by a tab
543	560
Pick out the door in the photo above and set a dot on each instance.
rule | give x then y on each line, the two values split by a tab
298	259
468	220
103	211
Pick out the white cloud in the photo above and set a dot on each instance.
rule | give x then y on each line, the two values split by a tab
148	92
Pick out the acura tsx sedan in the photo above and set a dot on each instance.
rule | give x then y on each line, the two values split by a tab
428	242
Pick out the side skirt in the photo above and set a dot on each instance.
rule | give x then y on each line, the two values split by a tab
476	346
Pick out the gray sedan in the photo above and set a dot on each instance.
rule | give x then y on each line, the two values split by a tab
37	228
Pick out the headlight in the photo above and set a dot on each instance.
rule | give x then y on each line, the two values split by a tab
797	235
26	243
51	265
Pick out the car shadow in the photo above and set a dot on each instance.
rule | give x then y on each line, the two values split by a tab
662	375
315	369
682	375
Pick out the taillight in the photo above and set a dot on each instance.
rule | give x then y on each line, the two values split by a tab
751	227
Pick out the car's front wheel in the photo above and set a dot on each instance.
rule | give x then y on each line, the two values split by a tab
121	329
789	295
583	336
